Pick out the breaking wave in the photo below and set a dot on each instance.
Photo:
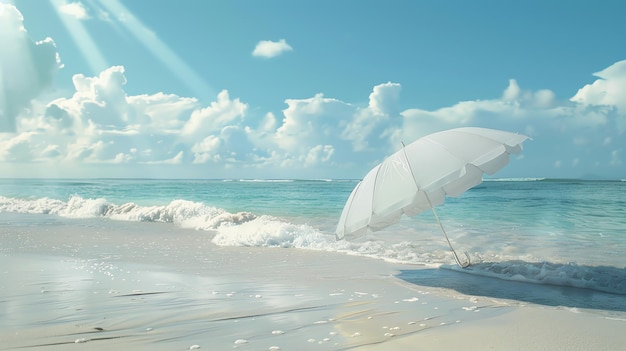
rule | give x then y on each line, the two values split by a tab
249	229
187	214
231	229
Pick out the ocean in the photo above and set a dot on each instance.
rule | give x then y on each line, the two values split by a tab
545	231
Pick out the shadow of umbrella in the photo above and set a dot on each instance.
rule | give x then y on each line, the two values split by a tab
482	280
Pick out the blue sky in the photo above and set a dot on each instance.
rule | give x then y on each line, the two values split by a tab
324	89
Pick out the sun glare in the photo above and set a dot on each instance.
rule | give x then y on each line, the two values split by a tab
19	63
159	49
82	38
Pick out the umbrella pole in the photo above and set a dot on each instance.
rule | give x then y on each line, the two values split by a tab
456	257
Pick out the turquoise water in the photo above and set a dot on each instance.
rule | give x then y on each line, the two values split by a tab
564	232
274	197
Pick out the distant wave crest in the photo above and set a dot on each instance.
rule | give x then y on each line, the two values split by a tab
513	179
322	180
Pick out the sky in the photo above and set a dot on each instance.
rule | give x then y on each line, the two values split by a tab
305	89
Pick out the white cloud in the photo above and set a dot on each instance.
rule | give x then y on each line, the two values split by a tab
221	113
207	150
268	123
319	154
167	112
530	112
19	147
51	151
311	122
176	160
606	93
367	128
100	125
384	99
74	9
512	92
26	67
609	90
269	49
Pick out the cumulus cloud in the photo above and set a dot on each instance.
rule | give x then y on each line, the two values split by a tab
101	124
27	67
19	147
74	9
310	122
369	125
606	93
221	113
543	98
269	49
535	112
609	89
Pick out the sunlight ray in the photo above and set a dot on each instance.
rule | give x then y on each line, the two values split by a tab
4	115
17	70
159	49
82	38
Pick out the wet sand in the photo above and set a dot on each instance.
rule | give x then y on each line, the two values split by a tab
102	285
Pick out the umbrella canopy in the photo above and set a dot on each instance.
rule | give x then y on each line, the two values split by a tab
421	174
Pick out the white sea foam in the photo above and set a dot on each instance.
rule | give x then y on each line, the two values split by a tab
77	207
232	229
248	229
513	179
267	180
42	205
187	214
268	231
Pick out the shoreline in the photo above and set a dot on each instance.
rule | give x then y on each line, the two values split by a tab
158	287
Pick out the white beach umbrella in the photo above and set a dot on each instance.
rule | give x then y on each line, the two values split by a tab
421	174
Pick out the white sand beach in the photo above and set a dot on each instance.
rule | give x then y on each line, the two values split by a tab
91	285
